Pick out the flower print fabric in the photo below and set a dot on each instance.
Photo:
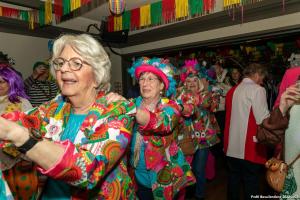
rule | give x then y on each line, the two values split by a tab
90	163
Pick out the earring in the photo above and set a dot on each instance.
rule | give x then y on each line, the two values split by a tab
160	93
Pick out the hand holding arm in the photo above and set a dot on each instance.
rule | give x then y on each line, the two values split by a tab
18	135
288	98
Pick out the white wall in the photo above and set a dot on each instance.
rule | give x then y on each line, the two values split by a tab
116	67
25	50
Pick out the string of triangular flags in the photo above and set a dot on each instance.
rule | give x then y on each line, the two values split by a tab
166	11
44	15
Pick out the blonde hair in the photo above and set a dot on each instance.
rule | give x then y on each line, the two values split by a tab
92	51
200	84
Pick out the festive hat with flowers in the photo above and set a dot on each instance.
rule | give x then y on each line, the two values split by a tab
190	68
208	74
158	66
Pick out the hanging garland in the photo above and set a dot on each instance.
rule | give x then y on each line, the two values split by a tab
58	10
118	23
145	16
66	7
196	7
126	20
181	8
75	4
110	23
156	13
48	11
168	10
135	19
209	5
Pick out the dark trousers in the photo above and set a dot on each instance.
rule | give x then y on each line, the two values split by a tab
217	149
242	171
144	193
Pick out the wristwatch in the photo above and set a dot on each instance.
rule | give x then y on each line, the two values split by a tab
28	145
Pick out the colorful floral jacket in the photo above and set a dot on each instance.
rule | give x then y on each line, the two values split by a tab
95	165
162	154
200	119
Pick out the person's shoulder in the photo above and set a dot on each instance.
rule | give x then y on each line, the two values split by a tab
23	100
294	71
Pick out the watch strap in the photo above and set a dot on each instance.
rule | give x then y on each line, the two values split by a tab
31	142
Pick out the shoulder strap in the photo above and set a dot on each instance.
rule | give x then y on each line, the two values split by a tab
294	160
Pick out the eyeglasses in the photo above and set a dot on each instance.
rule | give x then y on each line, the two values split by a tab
75	63
149	79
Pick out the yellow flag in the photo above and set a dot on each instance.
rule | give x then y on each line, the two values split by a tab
75	4
31	20
48	11
181	8
145	15
118	25
0	11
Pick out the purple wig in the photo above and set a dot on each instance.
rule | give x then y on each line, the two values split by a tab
15	82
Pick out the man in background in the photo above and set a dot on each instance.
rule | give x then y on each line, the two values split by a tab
38	86
246	108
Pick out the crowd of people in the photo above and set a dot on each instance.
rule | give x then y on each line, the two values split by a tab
73	139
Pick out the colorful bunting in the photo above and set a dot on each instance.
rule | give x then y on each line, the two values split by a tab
48	11
110	23
31	20
135	19
209	5
126	20
66	7
156	13
196	7
58	10
118	23
145	16
181	8
42	16
10	12
75	4
83	2
24	15
168	10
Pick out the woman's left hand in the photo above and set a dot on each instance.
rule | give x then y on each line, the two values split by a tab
113	97
13	132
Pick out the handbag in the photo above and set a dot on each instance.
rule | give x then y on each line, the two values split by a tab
271	131
188	145
277	171
188	142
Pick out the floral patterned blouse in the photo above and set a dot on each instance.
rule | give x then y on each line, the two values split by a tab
95	164
200	119
162	155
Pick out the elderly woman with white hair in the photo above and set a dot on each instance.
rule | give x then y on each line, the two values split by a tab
78	139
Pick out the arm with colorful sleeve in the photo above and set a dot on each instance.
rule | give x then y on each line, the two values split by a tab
162	121
210	101
81	165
